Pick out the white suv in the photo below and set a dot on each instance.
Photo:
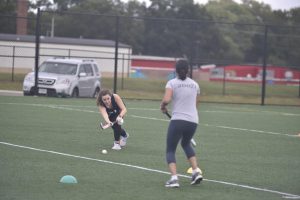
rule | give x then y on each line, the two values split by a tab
65	77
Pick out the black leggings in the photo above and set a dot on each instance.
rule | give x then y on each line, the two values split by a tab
118	131
180	129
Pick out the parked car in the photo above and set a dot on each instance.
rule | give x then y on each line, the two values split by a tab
65	77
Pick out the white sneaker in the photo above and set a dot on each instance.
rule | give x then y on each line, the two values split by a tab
116	146
172	183
123	140
197	177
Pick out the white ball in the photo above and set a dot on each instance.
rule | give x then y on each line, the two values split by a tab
120	121
104	151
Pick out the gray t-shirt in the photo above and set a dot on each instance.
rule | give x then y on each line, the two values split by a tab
184	99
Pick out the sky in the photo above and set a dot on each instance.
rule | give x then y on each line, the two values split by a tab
282	4
275	4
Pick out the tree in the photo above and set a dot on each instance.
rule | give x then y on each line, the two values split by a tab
132	26
7	17
235	37
219	32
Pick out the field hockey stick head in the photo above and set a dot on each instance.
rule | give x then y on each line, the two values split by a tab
107	125
193	142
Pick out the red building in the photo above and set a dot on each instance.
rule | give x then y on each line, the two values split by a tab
152	62
249	73
163	67
152	67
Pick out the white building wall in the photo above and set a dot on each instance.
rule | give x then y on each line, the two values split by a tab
24	55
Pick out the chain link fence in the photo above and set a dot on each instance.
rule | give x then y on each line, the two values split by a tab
240	73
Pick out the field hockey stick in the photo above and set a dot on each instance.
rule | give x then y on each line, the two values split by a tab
193	142
107	125
168	114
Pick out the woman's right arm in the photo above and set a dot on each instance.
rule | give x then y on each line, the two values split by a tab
166	100
104	114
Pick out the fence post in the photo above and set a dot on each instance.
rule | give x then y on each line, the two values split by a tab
299	88
191	67
122	71
116	52
13	64
128	63
37	50
263	90
224	81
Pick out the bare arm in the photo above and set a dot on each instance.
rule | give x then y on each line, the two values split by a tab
198	101
121	105
104	114
166	100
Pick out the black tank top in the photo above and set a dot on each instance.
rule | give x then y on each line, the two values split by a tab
114	111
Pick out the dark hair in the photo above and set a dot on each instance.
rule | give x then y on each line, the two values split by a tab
102	93
182	68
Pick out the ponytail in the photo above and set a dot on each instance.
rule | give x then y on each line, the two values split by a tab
182	68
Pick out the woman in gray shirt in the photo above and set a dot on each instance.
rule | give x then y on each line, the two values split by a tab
184	94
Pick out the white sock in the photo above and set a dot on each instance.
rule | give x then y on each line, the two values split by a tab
174	177
196	170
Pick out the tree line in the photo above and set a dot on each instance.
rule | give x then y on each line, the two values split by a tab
219	32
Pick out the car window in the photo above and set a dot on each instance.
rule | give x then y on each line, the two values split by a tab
96	70
58	68
88	69
81	69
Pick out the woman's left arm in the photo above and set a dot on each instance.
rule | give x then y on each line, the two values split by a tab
121	105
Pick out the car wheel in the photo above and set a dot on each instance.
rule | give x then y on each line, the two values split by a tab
27	93
97	90
75	93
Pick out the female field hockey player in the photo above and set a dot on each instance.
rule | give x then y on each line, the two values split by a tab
113	110
184	94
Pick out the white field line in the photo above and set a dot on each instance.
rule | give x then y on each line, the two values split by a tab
151	118
235	112
284	194
63	107
249	110
241	111
224	127
290	197
253	112
250	130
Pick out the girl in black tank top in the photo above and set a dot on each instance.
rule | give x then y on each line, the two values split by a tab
111	108
114	111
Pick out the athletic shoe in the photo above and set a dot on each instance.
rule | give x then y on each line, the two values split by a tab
172	183
123	140
196	178
116	146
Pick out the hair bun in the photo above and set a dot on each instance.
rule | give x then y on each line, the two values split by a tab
182	68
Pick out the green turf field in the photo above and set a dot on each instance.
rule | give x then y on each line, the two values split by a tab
245	151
